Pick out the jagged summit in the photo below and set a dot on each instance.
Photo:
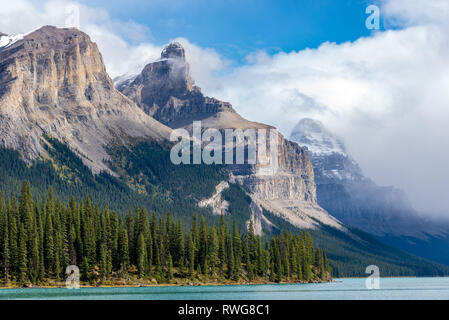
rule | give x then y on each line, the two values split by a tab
311	133
327	151
165	90
47	37
344	191
53	81
174	51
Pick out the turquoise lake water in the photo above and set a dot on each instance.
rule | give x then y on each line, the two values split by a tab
342	289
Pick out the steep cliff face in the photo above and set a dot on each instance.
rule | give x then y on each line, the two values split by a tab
166	91
53	81
351	197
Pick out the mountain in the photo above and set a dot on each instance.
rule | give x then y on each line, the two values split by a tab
53	81
64	125
166	91
286	200
344	191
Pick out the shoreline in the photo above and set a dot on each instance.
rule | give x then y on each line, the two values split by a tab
141	285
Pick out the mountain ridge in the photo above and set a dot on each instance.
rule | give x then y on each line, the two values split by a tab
61	113
165	90
53	81
345	192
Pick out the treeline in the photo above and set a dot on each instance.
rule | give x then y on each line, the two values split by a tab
40	238
147	179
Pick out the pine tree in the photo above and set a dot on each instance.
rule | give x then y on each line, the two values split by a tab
39	239
222	246
213	250
5	241
124	250
202	252
23	262
141	255
103	261
179	247
49	250
191	255
260	258
169	268
85	270
237	251
248	264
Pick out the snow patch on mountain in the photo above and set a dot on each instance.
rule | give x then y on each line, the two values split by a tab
8	40
311	134
327	152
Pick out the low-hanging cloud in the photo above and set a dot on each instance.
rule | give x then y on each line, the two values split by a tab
125	45
386	95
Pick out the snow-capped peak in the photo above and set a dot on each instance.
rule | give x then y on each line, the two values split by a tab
6	41
311	134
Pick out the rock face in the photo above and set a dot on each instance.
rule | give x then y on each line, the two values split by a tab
346	193
328	153
53	81
218	205
166	91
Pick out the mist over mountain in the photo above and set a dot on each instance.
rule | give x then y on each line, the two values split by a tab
64	125
165	90
345	192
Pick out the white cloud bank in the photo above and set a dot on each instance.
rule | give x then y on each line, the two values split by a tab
386	95
125	46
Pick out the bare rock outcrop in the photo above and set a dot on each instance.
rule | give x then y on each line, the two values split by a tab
350	196
166	91
53	81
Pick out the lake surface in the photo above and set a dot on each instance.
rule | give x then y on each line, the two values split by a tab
342	289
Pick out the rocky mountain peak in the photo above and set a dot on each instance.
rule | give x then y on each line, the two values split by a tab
344	191
162	91
53	81
327	151
174	50
45	38
165	90
311	134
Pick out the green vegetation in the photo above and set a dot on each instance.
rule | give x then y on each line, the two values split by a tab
149	180
40	238
350	254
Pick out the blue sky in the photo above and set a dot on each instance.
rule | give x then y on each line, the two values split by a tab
236	28
381	92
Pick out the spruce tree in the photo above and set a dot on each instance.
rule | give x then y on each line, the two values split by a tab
23	262
141	255
124	250
191	255
169	268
